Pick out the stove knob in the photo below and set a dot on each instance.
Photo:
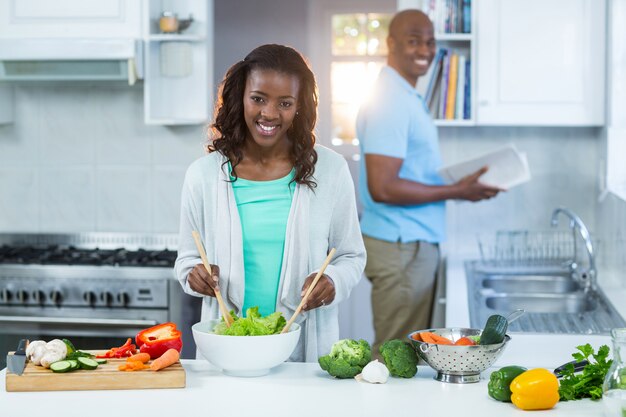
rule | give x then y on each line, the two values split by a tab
90	297
39	297
106	297
5	296
123	298
22	296
56	296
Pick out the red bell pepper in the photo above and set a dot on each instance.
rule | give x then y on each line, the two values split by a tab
156	340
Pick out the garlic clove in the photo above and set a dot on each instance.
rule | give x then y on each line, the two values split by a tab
375	372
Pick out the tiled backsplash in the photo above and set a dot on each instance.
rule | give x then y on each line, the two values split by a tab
82	159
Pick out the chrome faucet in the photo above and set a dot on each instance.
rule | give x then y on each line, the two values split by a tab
588	275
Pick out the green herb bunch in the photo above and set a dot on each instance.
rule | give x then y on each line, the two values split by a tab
588	383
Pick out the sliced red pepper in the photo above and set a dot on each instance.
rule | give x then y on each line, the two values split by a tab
127	349
158	339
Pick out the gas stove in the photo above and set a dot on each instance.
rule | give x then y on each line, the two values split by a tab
93	287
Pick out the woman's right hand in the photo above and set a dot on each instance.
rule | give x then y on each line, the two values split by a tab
201	282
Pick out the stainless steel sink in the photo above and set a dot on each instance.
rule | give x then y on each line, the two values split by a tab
531	283
542	302
554	301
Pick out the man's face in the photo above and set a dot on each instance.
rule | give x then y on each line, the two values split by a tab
413	48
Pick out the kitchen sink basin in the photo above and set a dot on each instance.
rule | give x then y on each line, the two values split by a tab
542	302
554	301
531	284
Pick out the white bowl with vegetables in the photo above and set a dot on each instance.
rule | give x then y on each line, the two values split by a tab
244	356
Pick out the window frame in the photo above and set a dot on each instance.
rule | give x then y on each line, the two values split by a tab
321	58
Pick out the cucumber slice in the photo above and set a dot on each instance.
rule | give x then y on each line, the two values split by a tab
87	363
61	366
100	361
74	364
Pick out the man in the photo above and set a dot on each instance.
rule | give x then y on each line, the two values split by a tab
403	196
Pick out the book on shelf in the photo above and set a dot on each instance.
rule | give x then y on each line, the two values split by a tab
435	75
467	16
460	91
467	110
445	78
449	16
452	84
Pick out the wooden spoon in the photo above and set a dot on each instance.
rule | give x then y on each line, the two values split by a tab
220	301
308	291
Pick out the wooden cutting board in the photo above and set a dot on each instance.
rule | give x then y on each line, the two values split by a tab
104	377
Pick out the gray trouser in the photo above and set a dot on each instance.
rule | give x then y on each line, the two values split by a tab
403	286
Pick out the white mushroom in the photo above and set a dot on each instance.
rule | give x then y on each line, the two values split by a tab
30	349
57	346
38	353
375	372
51	356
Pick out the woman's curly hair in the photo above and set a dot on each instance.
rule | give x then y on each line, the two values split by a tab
230	130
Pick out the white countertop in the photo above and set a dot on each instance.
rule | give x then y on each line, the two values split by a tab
296	389
291	389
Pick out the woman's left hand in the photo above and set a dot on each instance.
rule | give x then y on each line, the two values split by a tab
322	295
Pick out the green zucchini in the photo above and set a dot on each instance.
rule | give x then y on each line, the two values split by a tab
100	361
494	331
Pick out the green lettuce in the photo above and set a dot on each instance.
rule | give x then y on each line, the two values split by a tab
252	325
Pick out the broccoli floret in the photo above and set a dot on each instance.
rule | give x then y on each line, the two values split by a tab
347	358
400	358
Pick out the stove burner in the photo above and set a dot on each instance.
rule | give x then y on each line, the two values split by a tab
70	255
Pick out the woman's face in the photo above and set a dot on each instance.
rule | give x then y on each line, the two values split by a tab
269	106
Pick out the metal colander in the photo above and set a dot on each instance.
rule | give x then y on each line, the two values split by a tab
457	364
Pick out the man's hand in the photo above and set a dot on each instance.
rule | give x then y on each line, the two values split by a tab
473	190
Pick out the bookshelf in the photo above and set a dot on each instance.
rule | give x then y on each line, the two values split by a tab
454	24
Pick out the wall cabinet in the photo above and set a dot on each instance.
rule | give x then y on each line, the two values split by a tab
70	19
178	83
540	62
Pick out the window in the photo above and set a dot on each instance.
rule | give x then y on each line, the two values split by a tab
358	51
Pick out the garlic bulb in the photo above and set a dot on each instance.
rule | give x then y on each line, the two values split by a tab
375	372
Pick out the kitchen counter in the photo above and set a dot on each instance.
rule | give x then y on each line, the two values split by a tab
291	389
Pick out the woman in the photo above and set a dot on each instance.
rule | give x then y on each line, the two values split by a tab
270	204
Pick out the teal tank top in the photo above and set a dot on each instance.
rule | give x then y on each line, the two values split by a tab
263	209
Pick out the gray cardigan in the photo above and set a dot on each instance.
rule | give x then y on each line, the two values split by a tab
318	220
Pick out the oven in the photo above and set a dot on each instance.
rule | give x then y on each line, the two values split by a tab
94	289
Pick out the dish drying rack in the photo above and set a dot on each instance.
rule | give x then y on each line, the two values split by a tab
528	248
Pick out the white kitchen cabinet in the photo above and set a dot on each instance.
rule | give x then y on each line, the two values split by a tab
540	62
178	67
70	19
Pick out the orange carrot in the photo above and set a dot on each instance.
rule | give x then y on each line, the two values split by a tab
141	357
465	341
416	336
170	357
434	338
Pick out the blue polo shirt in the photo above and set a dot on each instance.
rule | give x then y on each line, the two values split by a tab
395	122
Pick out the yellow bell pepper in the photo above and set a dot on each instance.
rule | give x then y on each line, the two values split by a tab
537	389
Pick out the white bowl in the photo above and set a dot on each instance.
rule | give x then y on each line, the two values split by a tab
244	355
